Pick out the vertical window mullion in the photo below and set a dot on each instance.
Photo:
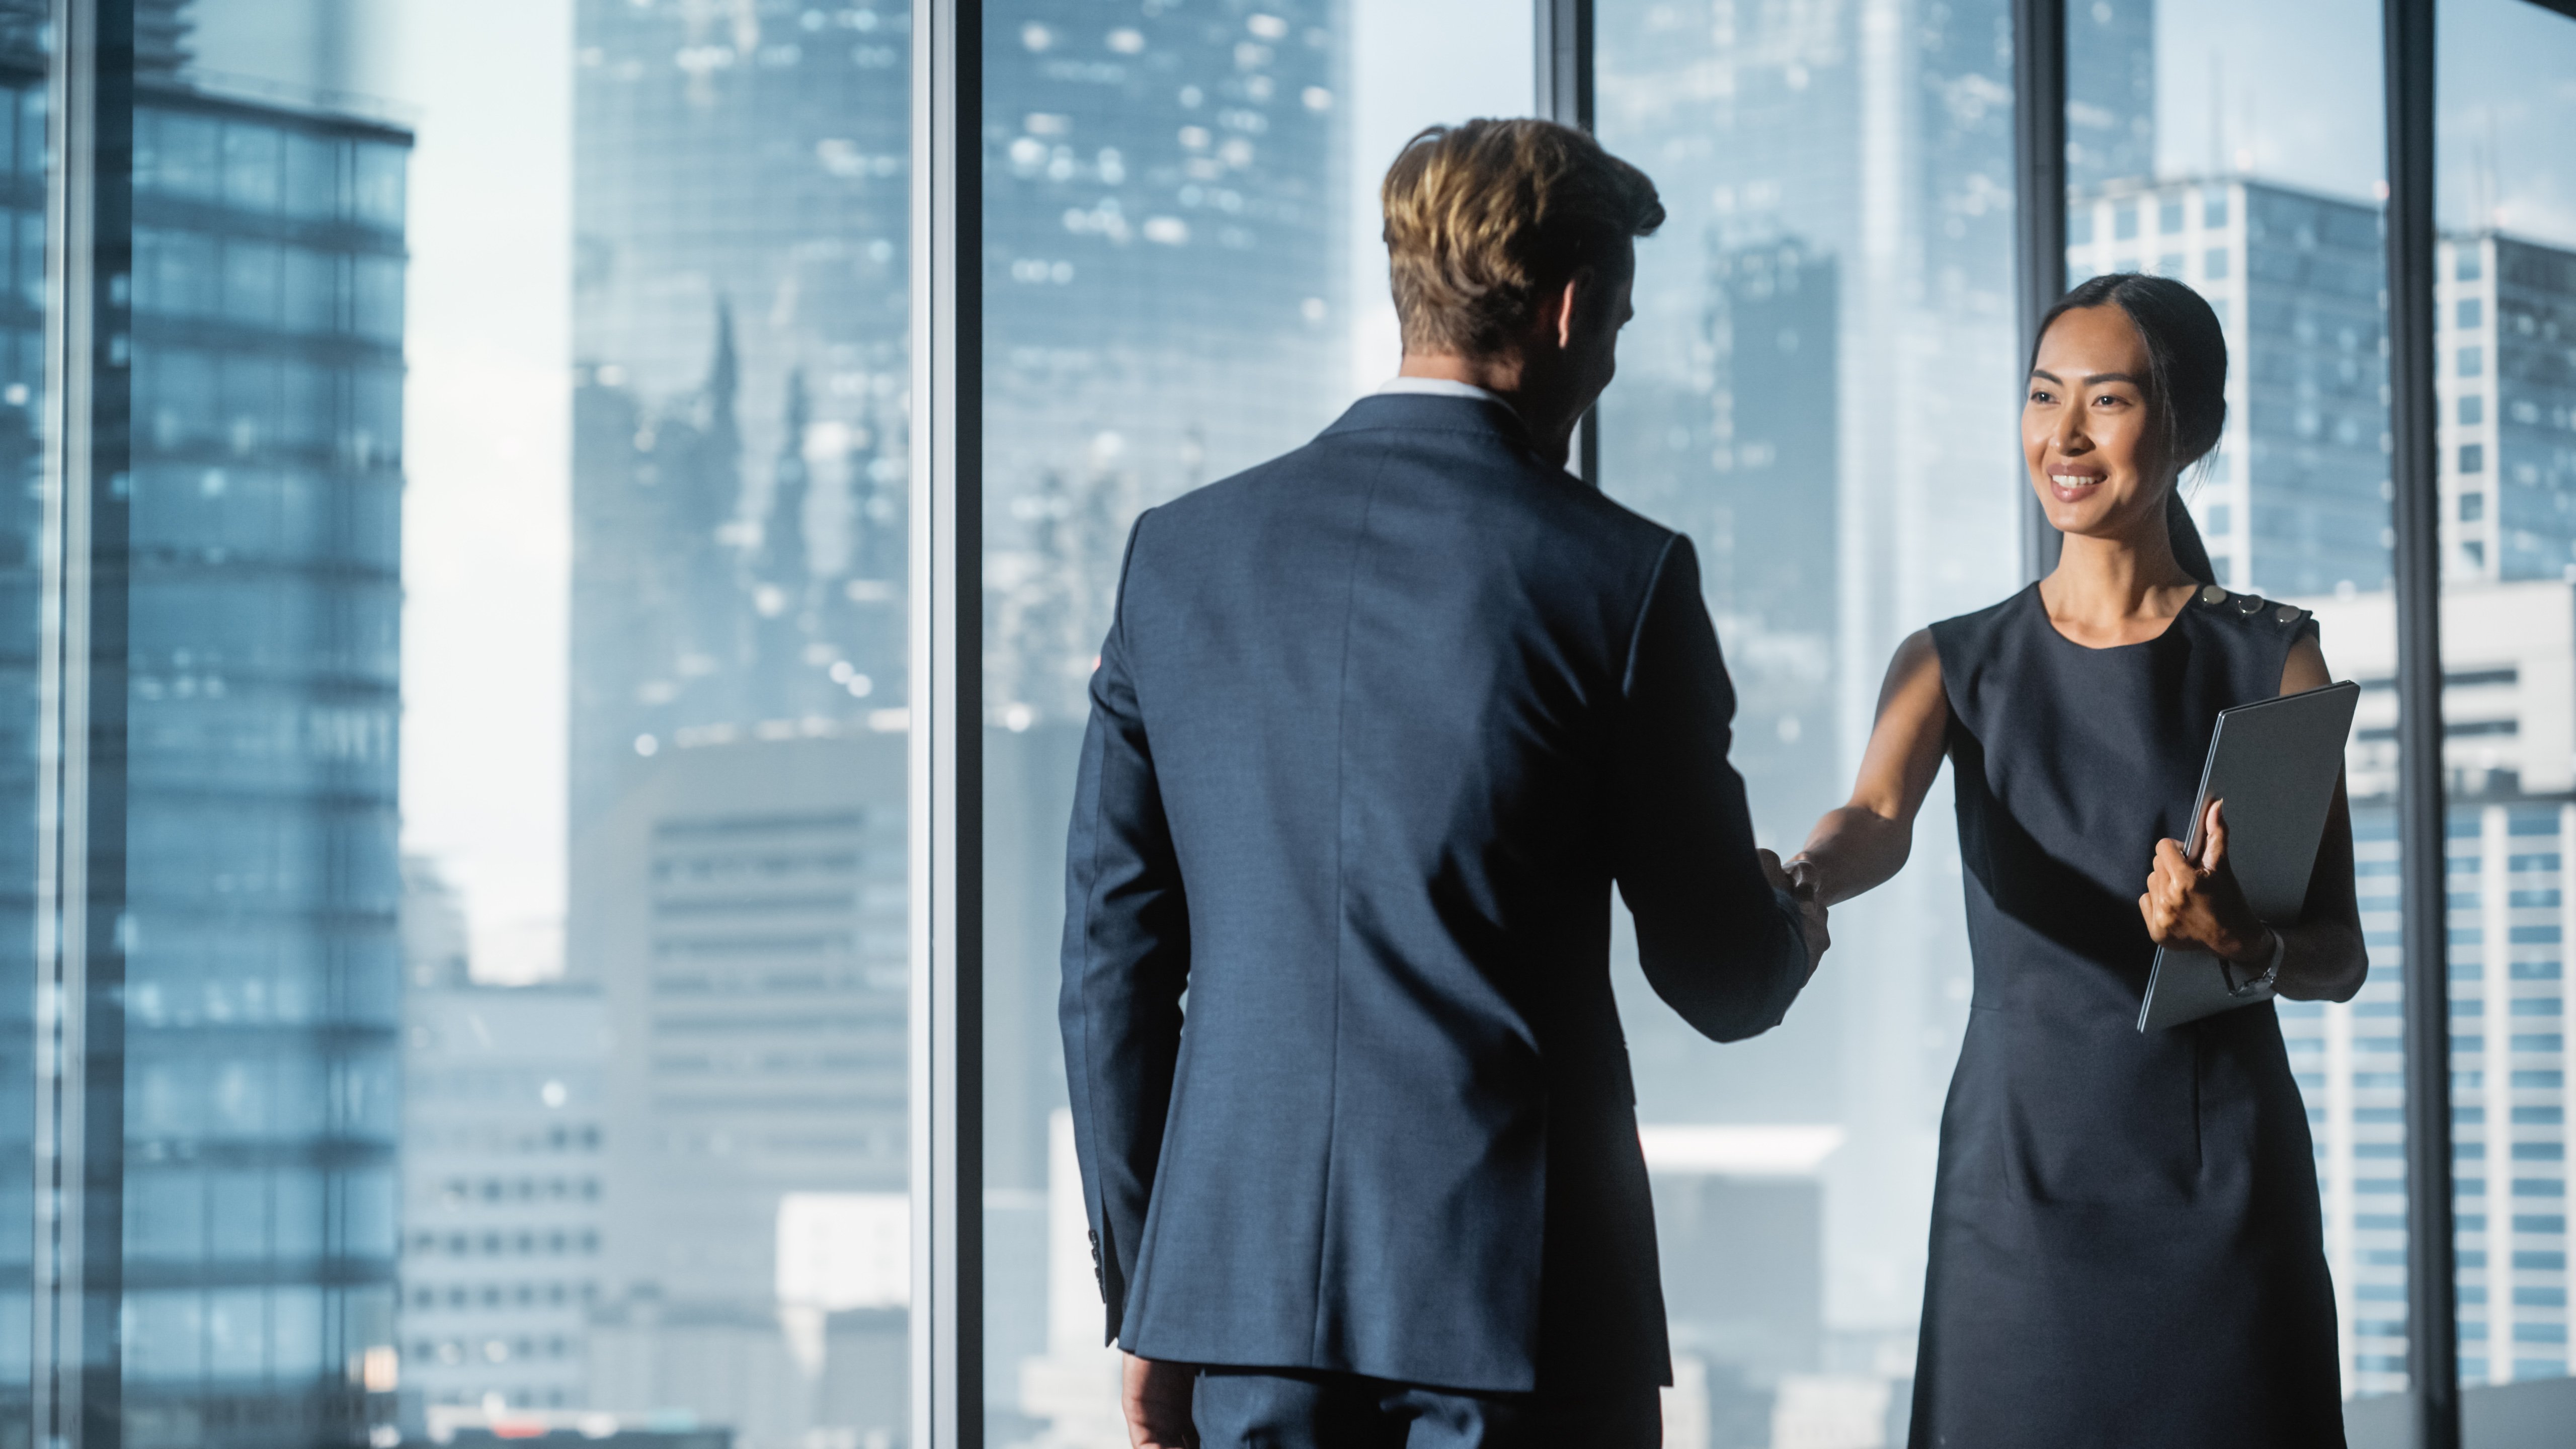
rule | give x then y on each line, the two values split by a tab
2039	213
945	817
80	816
2432	1329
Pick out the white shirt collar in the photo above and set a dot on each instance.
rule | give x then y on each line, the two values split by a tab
1435	387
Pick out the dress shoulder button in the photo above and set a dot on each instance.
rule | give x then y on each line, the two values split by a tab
2212	596
2250	605
2288	614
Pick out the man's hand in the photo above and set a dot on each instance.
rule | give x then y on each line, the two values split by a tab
1156	1397
1811	907
2197	904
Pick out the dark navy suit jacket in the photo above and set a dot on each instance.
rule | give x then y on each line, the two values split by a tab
1376	727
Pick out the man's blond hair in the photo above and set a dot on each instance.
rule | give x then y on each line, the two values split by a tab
1483	218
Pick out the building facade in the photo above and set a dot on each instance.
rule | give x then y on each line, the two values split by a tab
2509	706
754	959
2505	329
261	958
504	1097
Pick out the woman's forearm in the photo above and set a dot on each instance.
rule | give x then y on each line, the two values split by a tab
2320	961
1853	850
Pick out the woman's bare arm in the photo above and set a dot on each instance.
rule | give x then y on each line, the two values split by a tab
2198	904
1861	845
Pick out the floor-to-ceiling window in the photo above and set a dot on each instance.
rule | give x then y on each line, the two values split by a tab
1182	278
2504	366
1820	390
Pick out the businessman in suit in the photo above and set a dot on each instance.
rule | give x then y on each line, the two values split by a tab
1376	728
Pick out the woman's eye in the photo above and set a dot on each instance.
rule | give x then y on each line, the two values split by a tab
2040	395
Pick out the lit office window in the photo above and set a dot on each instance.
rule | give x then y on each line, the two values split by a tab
1184	278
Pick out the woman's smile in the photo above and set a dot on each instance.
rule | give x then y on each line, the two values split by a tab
2075	482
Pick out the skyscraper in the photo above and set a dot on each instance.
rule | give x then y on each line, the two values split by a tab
740	215
2509	707
2505	319
755	929
261	990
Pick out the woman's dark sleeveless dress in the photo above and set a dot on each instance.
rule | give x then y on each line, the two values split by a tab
2126	1247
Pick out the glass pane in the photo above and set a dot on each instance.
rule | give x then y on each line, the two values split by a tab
2505	320
518	673
1184	278
2189	163
736	883
1836	275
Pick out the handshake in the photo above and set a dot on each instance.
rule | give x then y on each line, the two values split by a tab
1798	878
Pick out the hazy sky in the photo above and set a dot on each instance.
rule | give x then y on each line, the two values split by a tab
488	537
487	523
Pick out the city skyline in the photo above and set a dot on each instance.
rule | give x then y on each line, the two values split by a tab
707	349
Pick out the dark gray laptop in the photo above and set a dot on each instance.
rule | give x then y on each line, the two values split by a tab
2275	764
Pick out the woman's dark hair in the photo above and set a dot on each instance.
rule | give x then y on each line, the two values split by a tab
2186	382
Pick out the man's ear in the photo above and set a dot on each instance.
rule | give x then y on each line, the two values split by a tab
1565	305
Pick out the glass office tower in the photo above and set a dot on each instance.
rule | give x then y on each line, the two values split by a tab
260	1080
739	213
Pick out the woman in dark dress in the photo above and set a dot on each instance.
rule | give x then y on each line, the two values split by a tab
2126	1248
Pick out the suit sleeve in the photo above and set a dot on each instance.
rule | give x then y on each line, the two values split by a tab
1718	943
1126	963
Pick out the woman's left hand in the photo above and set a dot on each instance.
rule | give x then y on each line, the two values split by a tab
2197	904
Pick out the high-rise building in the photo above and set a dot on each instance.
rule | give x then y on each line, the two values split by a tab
503	1091
2294	500
751	954
2509	708
261	993
2504	319
740	215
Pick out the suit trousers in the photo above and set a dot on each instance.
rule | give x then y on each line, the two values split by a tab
1251	1408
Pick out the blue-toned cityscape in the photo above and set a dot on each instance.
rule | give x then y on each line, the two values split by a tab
374	1194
